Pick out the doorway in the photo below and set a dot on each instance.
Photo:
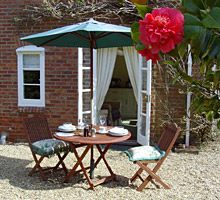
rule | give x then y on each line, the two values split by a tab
106	68
120	99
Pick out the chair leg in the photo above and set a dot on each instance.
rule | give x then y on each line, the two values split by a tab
48	169
37	166
137	174
151	175
61	159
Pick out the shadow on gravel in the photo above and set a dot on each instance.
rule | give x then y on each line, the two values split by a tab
16	172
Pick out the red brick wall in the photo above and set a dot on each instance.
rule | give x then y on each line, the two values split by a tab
167	102
61	75
61	79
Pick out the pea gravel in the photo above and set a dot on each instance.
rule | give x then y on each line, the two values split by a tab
190	176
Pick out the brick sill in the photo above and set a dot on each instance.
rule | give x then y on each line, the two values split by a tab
31	109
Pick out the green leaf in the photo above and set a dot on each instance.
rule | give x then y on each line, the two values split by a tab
135	33
203	67
191	31
205	48
216	79
203	13
217	3
175	79
140	46
193	6
143	9
209	115
218	60
121	2
197	43
214	47
210	3
191	20
168	62
182	49
212	20
218	124
186	77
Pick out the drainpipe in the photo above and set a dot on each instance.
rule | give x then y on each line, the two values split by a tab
3	138
188	98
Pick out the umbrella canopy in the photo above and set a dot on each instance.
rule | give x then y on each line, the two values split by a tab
89	34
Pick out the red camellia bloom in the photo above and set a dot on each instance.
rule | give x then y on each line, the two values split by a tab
161	30
149	55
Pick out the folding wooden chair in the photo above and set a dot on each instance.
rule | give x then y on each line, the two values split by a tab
143	155
42	143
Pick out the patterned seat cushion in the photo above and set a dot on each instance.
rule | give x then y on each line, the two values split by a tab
49	147
144	153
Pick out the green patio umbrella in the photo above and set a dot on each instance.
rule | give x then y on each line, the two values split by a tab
90	34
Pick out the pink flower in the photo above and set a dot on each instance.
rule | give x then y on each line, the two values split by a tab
149	55
161	30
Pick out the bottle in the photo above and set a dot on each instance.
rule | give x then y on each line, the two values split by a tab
85	132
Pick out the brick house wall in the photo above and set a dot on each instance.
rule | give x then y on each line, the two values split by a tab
61	82
167	102
61	79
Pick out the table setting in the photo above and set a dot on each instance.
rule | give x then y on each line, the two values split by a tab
68	129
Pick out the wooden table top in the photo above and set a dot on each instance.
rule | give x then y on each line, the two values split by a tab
103	138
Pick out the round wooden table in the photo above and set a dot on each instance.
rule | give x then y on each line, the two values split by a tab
89	141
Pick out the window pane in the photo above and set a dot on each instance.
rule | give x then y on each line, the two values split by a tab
32	77
143	126
31	92
31	61
144	79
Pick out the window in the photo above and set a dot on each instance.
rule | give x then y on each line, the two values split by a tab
31	76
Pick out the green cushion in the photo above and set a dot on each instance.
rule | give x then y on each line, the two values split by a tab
49	147
144	153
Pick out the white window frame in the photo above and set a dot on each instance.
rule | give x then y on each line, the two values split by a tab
21	100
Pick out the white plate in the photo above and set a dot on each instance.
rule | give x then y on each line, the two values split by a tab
101	132
65	129
125	132
115	134
64	134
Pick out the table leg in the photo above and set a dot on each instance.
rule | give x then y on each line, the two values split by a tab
92	164
102	156
79	162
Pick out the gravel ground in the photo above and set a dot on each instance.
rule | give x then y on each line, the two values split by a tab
190	176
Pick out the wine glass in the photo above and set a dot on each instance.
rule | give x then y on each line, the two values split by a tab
102	119
80	124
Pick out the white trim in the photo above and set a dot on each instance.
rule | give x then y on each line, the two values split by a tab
94	106
188	99
144	138
139	135
31	50
148	107
80	83
81	91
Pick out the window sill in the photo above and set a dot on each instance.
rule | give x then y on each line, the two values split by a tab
29	109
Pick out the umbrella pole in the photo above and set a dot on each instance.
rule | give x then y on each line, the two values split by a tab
92	109
91	79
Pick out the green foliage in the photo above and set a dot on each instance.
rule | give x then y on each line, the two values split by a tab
143	9
202	32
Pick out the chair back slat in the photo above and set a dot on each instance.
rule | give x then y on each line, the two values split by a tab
169	136
37	129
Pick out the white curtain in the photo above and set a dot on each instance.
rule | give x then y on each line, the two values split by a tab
105	65
132	62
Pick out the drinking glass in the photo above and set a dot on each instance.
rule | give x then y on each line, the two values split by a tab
102	119
82	123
